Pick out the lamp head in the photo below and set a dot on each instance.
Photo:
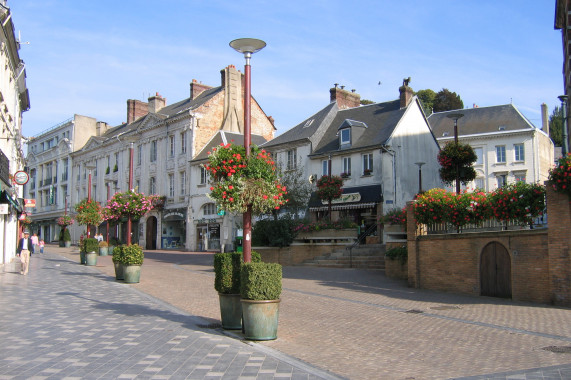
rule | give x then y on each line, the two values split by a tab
247	45
455	116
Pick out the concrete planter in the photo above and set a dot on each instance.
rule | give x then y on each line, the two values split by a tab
118	271
131	273
230	311
91	259
103	251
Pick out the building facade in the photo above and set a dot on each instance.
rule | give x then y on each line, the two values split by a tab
508	146
14	100
563	22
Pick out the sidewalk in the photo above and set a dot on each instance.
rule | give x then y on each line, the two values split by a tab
353	323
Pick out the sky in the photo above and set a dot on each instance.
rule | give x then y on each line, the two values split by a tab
89	57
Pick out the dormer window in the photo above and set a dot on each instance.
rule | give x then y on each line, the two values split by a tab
345	136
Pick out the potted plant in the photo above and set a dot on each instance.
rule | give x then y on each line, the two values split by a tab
66	238
560	175
132	259
103	248
91	249
227	283
117	258
64	221
260	289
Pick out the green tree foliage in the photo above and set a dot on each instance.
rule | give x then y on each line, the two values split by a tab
364	102
556	126
427	100
298	188
446	100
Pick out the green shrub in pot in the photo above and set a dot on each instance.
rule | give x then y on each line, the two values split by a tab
260	281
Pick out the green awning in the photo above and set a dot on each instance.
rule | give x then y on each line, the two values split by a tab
6	198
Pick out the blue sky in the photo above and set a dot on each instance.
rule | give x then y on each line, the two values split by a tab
89	57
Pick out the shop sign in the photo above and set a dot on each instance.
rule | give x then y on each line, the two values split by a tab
175	214
345	198
4	168
21	177
205	221
29	203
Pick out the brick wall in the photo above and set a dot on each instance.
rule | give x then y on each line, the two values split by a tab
540	262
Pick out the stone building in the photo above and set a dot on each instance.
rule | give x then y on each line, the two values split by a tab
14	100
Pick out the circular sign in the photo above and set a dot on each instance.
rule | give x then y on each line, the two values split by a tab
21	178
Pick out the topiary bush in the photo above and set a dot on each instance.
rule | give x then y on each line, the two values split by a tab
273	233
132	254
261	281
90	245
117	255
227	271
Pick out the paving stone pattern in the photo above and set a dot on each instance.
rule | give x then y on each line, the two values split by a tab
67	321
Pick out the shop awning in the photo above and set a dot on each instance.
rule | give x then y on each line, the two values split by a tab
7	198
353	198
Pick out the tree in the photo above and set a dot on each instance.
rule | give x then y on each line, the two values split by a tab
427	100
329	187
456	162
446	100
556	126
364	102
299	189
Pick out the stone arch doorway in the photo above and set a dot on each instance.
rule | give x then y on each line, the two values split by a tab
151	233
495	271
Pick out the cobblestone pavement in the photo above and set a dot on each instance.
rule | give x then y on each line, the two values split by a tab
354	323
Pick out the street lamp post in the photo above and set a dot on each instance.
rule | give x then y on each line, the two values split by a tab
247	46
90	168
131	139
455	117
108	182
419	175
565	131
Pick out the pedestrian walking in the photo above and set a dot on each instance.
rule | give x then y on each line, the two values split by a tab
24	246
35	243
99	237
42	246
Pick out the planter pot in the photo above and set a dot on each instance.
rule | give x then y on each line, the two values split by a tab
230	311
91	259
82	258
103	251
118	271
131	273
67	244
260	319
61	243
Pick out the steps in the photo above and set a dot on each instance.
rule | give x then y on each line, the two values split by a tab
369	256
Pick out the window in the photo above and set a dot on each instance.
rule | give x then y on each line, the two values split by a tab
347	166
65	173
183	143
480	156
137	185
203	175
117	159
291	159
182	183
345	136
171	146
479	183
171	185
139	154
367	164
325	167
519	152
501	154
152	186
501	178
519	177
209	209
153	151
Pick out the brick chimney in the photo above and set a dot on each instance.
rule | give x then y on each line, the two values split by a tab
100	128
345	99
544	118
135	110
232	81
156	103
197	89
406	93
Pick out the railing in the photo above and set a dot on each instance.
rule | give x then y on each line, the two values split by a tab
488	225
52	128
47	181
360	239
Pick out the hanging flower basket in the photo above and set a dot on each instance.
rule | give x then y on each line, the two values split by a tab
26	220
128	203
560	175
457	155
65	220
88	212
238	181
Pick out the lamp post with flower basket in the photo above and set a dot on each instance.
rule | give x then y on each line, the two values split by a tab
63	222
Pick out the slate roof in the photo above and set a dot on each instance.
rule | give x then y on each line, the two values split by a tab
226	137
380	118
479	121
301	131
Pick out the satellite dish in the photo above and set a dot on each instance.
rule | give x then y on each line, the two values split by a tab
312	178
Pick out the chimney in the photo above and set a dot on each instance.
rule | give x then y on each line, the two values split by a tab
197	89
544	118
233	114
101	128
156	103
135	110
406	93
345	99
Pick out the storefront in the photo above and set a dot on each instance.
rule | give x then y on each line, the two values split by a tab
207	235
173	233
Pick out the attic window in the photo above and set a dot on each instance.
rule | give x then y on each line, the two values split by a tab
345	136
308	123
502	127
445	134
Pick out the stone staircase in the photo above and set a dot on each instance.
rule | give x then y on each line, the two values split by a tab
368	256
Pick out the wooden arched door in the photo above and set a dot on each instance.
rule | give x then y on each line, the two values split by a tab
151	233
495	271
